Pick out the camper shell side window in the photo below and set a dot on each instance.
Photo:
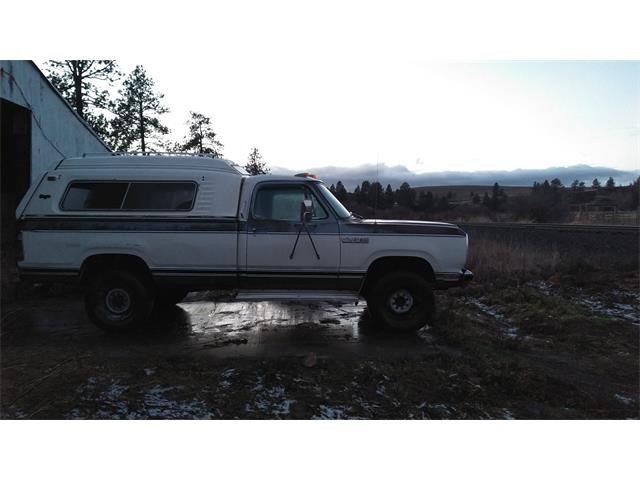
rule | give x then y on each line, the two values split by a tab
166	196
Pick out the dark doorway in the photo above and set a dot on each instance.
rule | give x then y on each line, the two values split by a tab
15	160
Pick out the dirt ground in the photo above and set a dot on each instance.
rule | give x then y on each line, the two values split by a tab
554	348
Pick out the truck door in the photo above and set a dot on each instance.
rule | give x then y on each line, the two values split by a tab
284	252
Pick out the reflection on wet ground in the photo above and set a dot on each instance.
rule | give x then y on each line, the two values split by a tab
214	327
494	352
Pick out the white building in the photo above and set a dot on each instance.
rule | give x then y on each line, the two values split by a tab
39	128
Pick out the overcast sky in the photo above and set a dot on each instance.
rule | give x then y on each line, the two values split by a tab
428	116
350	83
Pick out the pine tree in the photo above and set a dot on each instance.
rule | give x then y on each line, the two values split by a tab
389	197
376	195
82	83
364	192
137	112
201	137
406	195
341	192
255	165
425	201
595	183
611	183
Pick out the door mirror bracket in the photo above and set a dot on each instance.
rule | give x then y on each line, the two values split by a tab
306	207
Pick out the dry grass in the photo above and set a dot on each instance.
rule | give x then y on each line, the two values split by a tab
519	260
508	259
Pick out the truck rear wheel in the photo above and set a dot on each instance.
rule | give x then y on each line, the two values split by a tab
118	300
402	301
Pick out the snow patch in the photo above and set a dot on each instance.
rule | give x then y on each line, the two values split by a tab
623	399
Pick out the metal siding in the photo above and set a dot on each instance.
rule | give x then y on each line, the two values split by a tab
59	122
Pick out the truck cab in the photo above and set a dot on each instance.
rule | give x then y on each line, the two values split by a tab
141	231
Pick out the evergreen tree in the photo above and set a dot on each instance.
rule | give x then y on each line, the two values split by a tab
137	112
498	197
255	165
364	192
341	192
495	196
376	195
574	185
611	184
425	201
556	183
389	198
406	195
82	82
201	137
595	183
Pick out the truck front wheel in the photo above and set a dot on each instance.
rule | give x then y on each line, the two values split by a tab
402	301
118	300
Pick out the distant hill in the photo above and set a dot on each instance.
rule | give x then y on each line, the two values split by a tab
395	175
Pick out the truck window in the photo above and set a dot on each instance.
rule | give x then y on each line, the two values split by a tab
163	196
177	196
283	203
94	196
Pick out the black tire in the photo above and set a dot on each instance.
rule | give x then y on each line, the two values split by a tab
166	297
119	300
401	301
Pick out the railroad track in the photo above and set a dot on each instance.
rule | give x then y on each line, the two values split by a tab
558	227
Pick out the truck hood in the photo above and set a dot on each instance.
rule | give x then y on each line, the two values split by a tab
401	227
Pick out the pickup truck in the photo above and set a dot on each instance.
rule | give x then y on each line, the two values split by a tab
141	231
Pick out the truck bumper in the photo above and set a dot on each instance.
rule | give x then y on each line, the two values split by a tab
453	279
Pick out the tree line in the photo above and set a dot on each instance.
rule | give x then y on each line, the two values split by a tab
547	201
133	119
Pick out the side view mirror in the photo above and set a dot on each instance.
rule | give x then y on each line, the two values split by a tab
306	210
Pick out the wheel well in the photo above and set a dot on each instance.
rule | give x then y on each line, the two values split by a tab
384	265
101	262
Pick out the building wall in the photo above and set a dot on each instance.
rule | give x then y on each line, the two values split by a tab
56	130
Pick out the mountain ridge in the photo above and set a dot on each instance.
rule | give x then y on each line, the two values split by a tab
397	174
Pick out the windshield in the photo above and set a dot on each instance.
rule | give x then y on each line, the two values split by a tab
335	203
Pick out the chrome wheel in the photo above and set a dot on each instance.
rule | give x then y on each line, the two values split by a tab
400	301
117	301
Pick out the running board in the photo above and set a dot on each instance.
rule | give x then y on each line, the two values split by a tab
324	295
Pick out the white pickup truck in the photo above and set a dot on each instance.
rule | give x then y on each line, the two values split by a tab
144	230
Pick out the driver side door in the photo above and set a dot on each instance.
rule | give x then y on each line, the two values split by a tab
280	250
